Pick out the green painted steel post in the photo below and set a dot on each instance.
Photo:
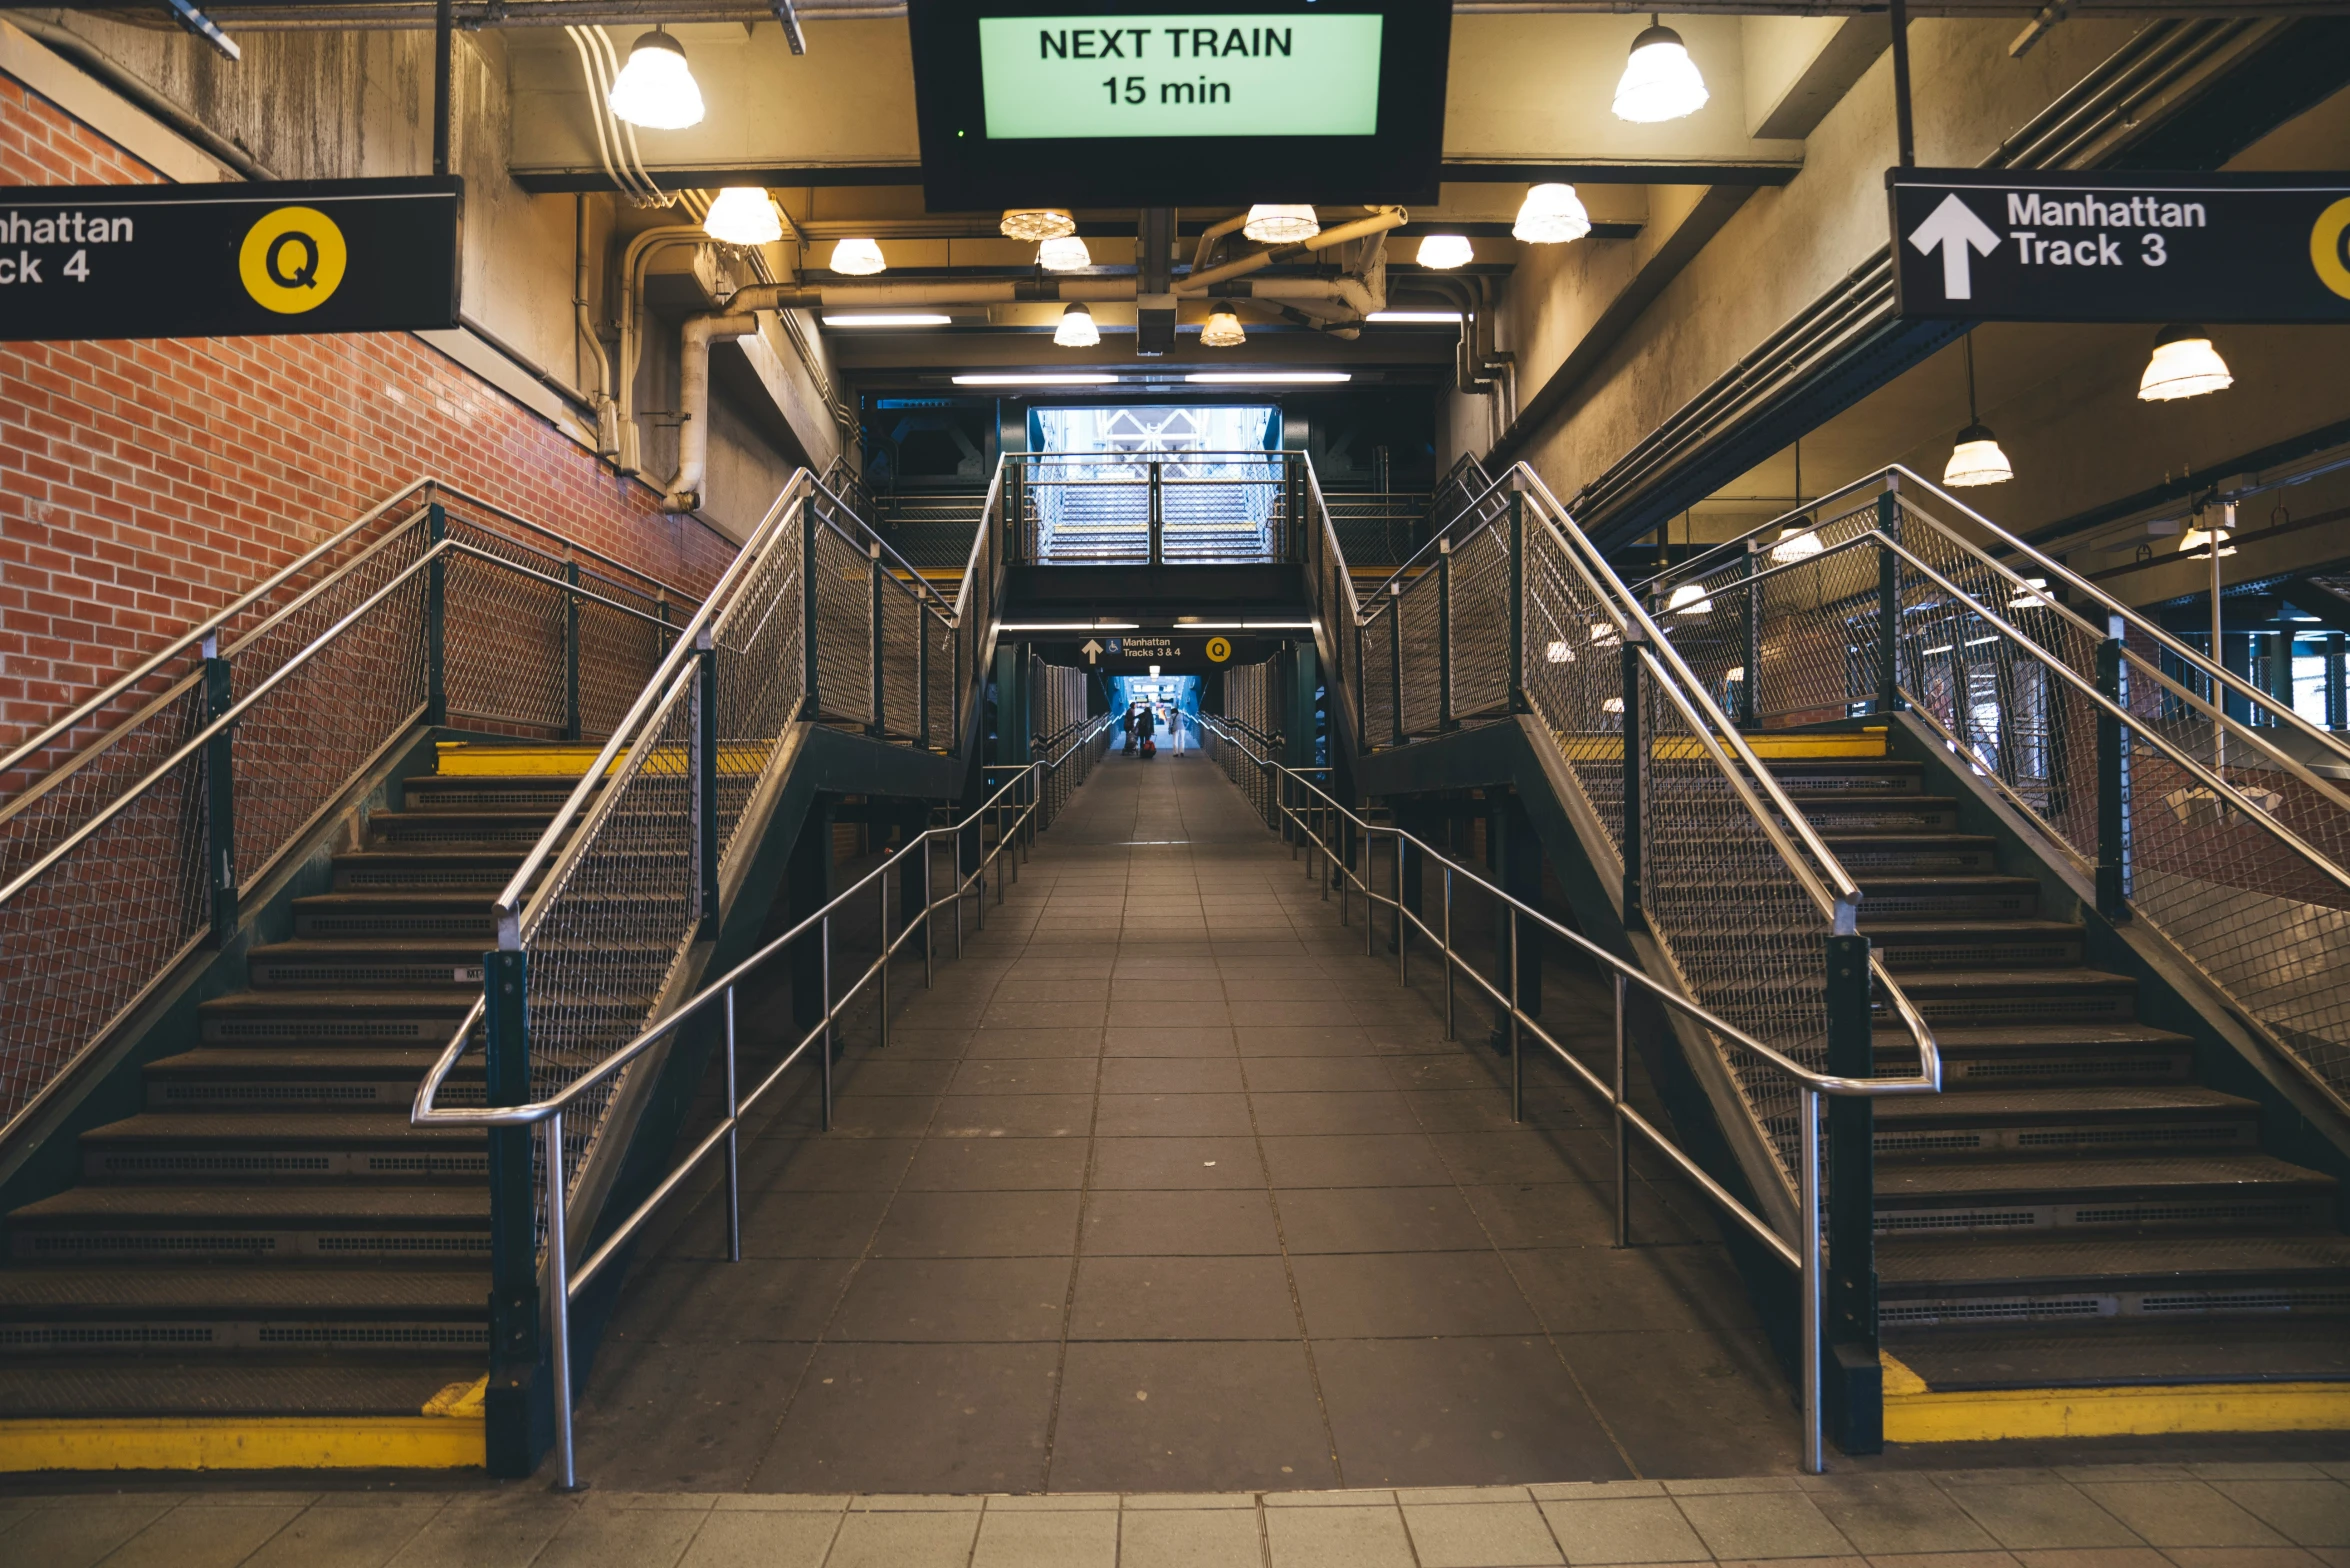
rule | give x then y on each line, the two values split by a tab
1362	735
1635	769
1444	718
1888	606
1158	517
706	781
2113	782
922	673
512	1394
1395	658
436	619
220	795
1009	518
876	724
1753	665
571	653
1518	702
1849	1356
809	524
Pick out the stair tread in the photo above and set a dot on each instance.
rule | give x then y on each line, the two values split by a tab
2022	1104
153	1386
395	899
277	1127
2091	1034
347	946
1937	881
325	1287
247	1203
323	999
1922	980
358	1061
2077	1255
1966	925
2121	1351
2073	1176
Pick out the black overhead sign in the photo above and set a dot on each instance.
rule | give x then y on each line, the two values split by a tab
1177	653
1985	245
156	261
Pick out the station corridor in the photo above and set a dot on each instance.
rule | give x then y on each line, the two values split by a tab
1165	1186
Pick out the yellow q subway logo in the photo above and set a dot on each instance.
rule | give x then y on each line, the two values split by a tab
292	260
2329	247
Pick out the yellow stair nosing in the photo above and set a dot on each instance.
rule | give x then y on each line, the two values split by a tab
1917	1413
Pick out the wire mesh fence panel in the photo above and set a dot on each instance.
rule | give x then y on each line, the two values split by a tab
1575	674
506	647
618	653
1422	611
761	664
1376	691
843	573
901	633
1481	625
940	633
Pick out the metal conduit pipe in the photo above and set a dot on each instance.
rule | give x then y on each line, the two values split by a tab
1362	228
693	374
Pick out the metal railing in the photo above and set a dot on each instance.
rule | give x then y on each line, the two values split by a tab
1151	508
2158	773
1378	527
1011	811
231	744
1330	834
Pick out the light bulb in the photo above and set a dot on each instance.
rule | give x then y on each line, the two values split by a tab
1446	250
655	88
1223	328
1793	546
1660	81
1551	215
743	215
1064	253
1976	460
1077	329
1689	599
857	258
1270	224
1037	223
2184	365
2198	537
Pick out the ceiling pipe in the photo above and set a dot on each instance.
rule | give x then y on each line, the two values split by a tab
693	375
1210	235
1362	228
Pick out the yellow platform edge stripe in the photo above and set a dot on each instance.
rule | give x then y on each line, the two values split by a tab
476	759
1915	1413
446	1435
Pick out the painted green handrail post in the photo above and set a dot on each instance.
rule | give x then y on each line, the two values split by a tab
2113	782
1635	770
705	762
1518	702
1753	665
922	672
510	1397
1444	718
1158	516
571	653
809	523
873	553
1888	604
1011	508
1855	1380
436	618
1395	657
220	795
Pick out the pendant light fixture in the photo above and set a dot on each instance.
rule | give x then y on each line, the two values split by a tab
1269	224
1689	598
857	258
1660	81
1795	545
1037	223
2199	537
655	88
2184	365
1551	215
1076	329
1445	251
1976	459
1064	253
1223	329
743	215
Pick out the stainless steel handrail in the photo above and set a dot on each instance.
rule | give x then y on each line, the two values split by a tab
566	1283
1804	1255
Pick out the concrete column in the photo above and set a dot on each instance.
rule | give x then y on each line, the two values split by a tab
807	887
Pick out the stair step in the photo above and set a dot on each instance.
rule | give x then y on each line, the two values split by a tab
424	870
354	1078
1889	895
345	1222
2053	1053
2085	1278
483	792
1970	996
1847	775
410	916
1973	944
195	1310
331	1018
1918	854
453	828
2243	1191
1863	811
293	1145
2065	1122
423	966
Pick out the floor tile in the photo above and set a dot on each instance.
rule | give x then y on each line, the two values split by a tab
1889	1515
1188	1538
1481	1535
1750	1526
1173	1115
1459	1412
2180	1513
1339	1537
2041	1516
762	1540
1014	1116
1149	1164
1200	1223
1379	1219
1189	1417
977	1225
917	1540
955	1299
1623	1530
997	1165
1355	1160
1218	1074
1191	1298
2307	1513
1401	1294
902	1418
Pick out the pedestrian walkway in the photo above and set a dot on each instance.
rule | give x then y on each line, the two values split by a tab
1165	1186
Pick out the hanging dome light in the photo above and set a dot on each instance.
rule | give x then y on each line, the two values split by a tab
857	258
1223	328
1076	329
2199	537
1037	223
743	215
1660	81
1976	460
1269	224
2184	365
1551	215
1446	250
656	89
1064	253
2029	598
1689	599
1794	546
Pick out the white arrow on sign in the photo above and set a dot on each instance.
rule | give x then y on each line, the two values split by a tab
1092	651
1954	227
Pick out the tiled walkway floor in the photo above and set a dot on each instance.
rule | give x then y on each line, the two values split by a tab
1167	1187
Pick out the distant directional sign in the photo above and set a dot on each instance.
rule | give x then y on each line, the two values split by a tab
1175	653
1994	245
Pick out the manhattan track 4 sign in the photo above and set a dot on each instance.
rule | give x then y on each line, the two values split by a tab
1985	245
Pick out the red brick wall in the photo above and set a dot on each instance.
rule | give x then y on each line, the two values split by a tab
144	483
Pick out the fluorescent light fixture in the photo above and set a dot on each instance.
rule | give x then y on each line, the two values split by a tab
1551	215
858	258
1737	673
1064	253
1414	318
1272	378
655	88
1037	223
2027	599
1660	81
1069	626
1558	653
1223	329
1794	546
886	318
743	215
1689	599
2184	364
1076	329
1269	223
1443	251
1037	379
1279	626
1977	460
